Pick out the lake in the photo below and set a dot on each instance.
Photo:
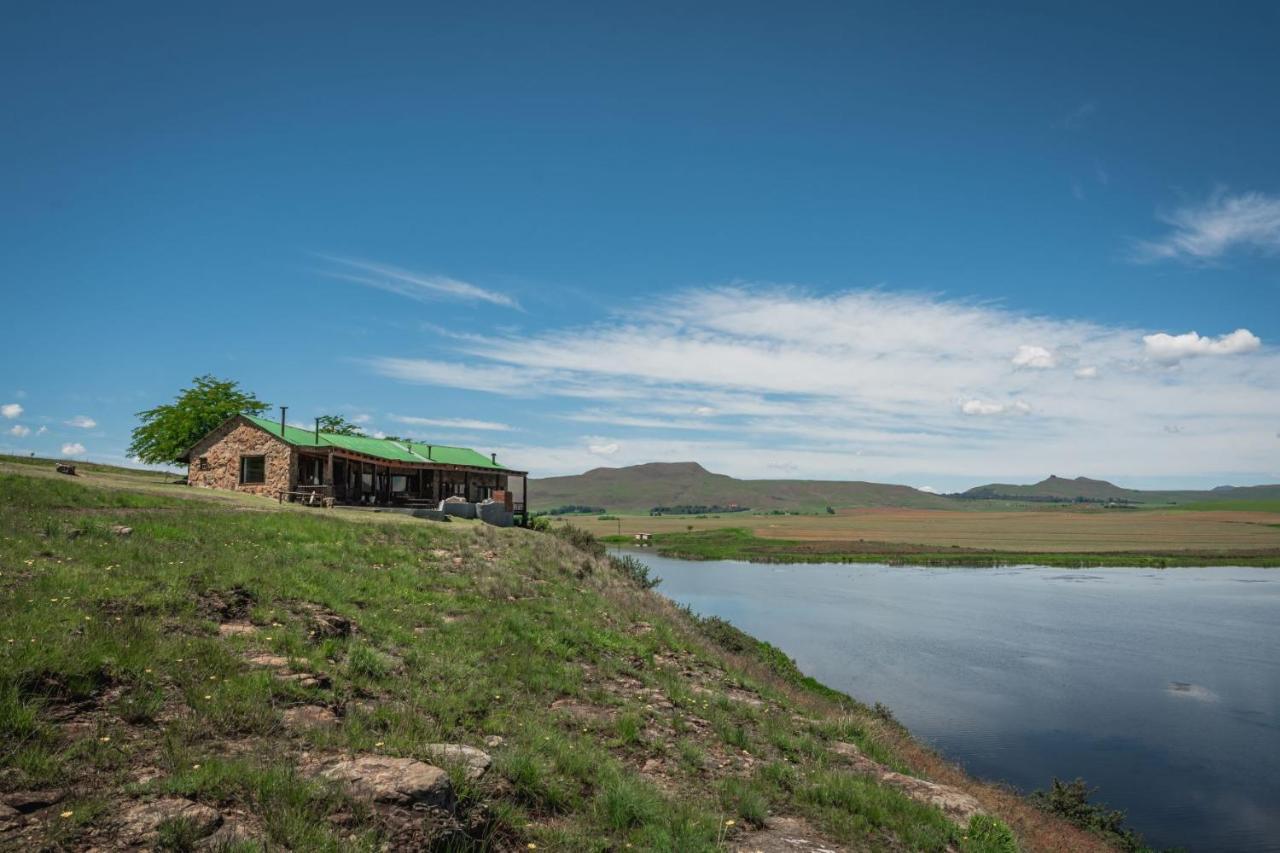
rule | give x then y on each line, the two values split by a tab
1159	687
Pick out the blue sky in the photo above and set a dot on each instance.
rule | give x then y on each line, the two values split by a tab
922	244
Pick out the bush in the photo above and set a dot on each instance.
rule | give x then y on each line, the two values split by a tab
634	570
1070	800
583	540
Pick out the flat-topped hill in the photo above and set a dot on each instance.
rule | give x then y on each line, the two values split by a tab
640	488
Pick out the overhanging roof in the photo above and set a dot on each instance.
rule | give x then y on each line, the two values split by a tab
381	448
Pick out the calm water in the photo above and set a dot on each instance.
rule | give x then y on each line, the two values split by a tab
1162	688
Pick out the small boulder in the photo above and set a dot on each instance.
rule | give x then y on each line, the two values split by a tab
399	781
121	530
309	717
30	801
140	824
268	660
475	762
236	629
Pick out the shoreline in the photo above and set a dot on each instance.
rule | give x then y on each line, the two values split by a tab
750	549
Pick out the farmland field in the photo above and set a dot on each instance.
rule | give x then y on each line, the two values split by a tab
1057	530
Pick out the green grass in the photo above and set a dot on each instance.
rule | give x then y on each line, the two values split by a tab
117	685
1229	505
736	543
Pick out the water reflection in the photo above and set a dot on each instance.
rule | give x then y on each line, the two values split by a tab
1160	687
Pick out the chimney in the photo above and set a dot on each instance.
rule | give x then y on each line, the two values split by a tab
283	409
493	457
428	451
317	430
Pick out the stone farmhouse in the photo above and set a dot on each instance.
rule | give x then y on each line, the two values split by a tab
260	456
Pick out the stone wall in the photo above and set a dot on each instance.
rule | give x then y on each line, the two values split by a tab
222	450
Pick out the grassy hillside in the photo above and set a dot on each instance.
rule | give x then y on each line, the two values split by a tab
226	675
639	488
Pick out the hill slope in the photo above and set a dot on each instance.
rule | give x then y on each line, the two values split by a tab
639	488
227	676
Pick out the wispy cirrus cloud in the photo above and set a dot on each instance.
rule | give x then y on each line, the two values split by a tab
422	287
869	384
82	422
452	423
1225	222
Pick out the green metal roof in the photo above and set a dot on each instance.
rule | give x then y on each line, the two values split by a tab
383	448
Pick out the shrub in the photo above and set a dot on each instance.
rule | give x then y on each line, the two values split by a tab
634	570
1070	800
583	540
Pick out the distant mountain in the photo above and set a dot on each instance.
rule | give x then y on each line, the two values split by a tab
1056	488
640	488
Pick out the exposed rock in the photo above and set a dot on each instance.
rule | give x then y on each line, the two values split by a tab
401	781
121	530
230	834
30	801
958	806
782	835
268	660
306	679
475	761
140	824
323	623
494	741
228	605
309	717
583	711
236	629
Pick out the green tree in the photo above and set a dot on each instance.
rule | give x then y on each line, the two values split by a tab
338	425
167	431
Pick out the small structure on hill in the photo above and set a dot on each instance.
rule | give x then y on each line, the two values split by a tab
251	454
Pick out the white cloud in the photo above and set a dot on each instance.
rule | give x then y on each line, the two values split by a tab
1224	222
73	448
1034	357
11	410
361	419
19	430
984	407
1170	349
704	411
604	449
865	385
413	285
452	423
930	489
82	422
42	430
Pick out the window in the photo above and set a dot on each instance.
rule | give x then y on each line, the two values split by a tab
253	469
204	463
399	484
